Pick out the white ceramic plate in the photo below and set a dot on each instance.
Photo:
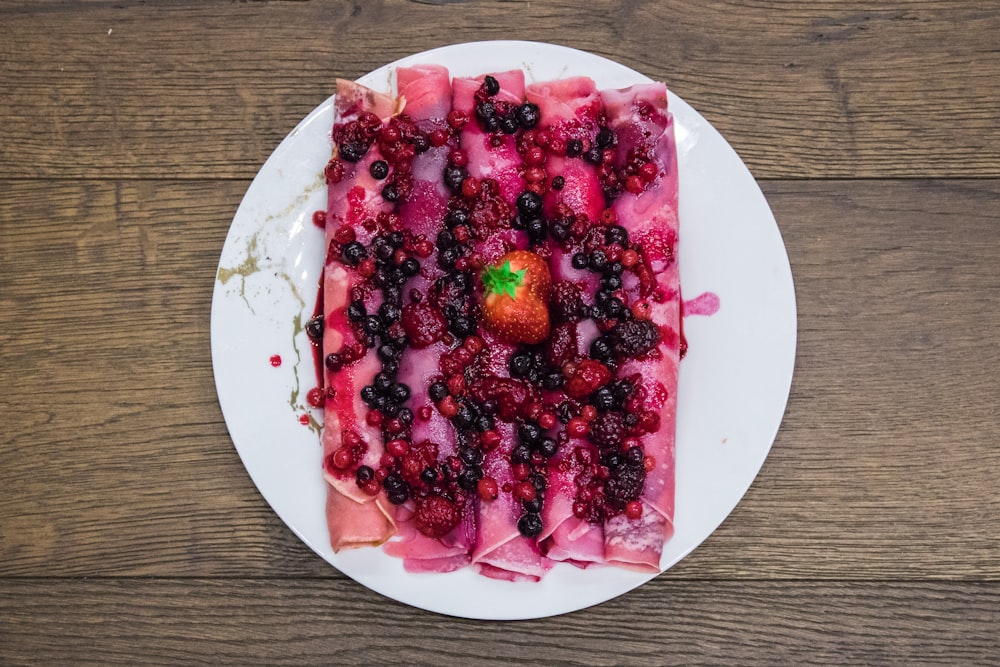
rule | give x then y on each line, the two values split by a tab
734	381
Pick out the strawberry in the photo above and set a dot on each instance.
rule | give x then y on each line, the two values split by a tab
515	304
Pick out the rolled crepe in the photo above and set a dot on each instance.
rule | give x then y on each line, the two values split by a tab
355	519
640	119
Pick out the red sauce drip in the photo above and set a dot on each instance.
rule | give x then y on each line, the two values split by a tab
275	360
317	348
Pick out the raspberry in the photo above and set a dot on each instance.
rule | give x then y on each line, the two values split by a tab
565	302
608	430
424	324
436	516
632	338
588	375
511	396
561	345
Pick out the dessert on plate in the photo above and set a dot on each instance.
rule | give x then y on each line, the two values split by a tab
501	323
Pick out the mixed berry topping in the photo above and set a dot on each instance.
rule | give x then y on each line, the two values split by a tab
564	394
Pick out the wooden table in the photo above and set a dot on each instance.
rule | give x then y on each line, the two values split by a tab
129	530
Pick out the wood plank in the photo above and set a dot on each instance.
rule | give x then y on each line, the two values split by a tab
824	89
295	622
114	458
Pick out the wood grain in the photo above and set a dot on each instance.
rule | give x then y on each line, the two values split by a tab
207	90
294	622
116	461
129	530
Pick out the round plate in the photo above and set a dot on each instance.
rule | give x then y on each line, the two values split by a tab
734	381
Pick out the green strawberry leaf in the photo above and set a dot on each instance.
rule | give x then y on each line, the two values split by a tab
501	279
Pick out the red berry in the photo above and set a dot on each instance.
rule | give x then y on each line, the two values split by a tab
525	491
520	471
448	407
439	138
342	458
397	446
648	463
586	378
319	219
344	234
634	184
487	488
458	158
577	427
373	418
436	516
547	420
490	440
648	172
633	510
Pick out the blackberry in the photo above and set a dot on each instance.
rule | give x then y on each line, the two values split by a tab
580	261
611	283
605	137
608	430
364	474
574	147
601	349
558	183
566	301
624	485
388	352
632	338
372	325
463	326
405	416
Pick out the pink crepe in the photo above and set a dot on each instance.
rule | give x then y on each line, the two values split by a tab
427	92
570	109
354	518
501	552
639	117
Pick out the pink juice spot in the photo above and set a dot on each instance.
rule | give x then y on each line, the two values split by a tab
703	304
275	360
304	420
